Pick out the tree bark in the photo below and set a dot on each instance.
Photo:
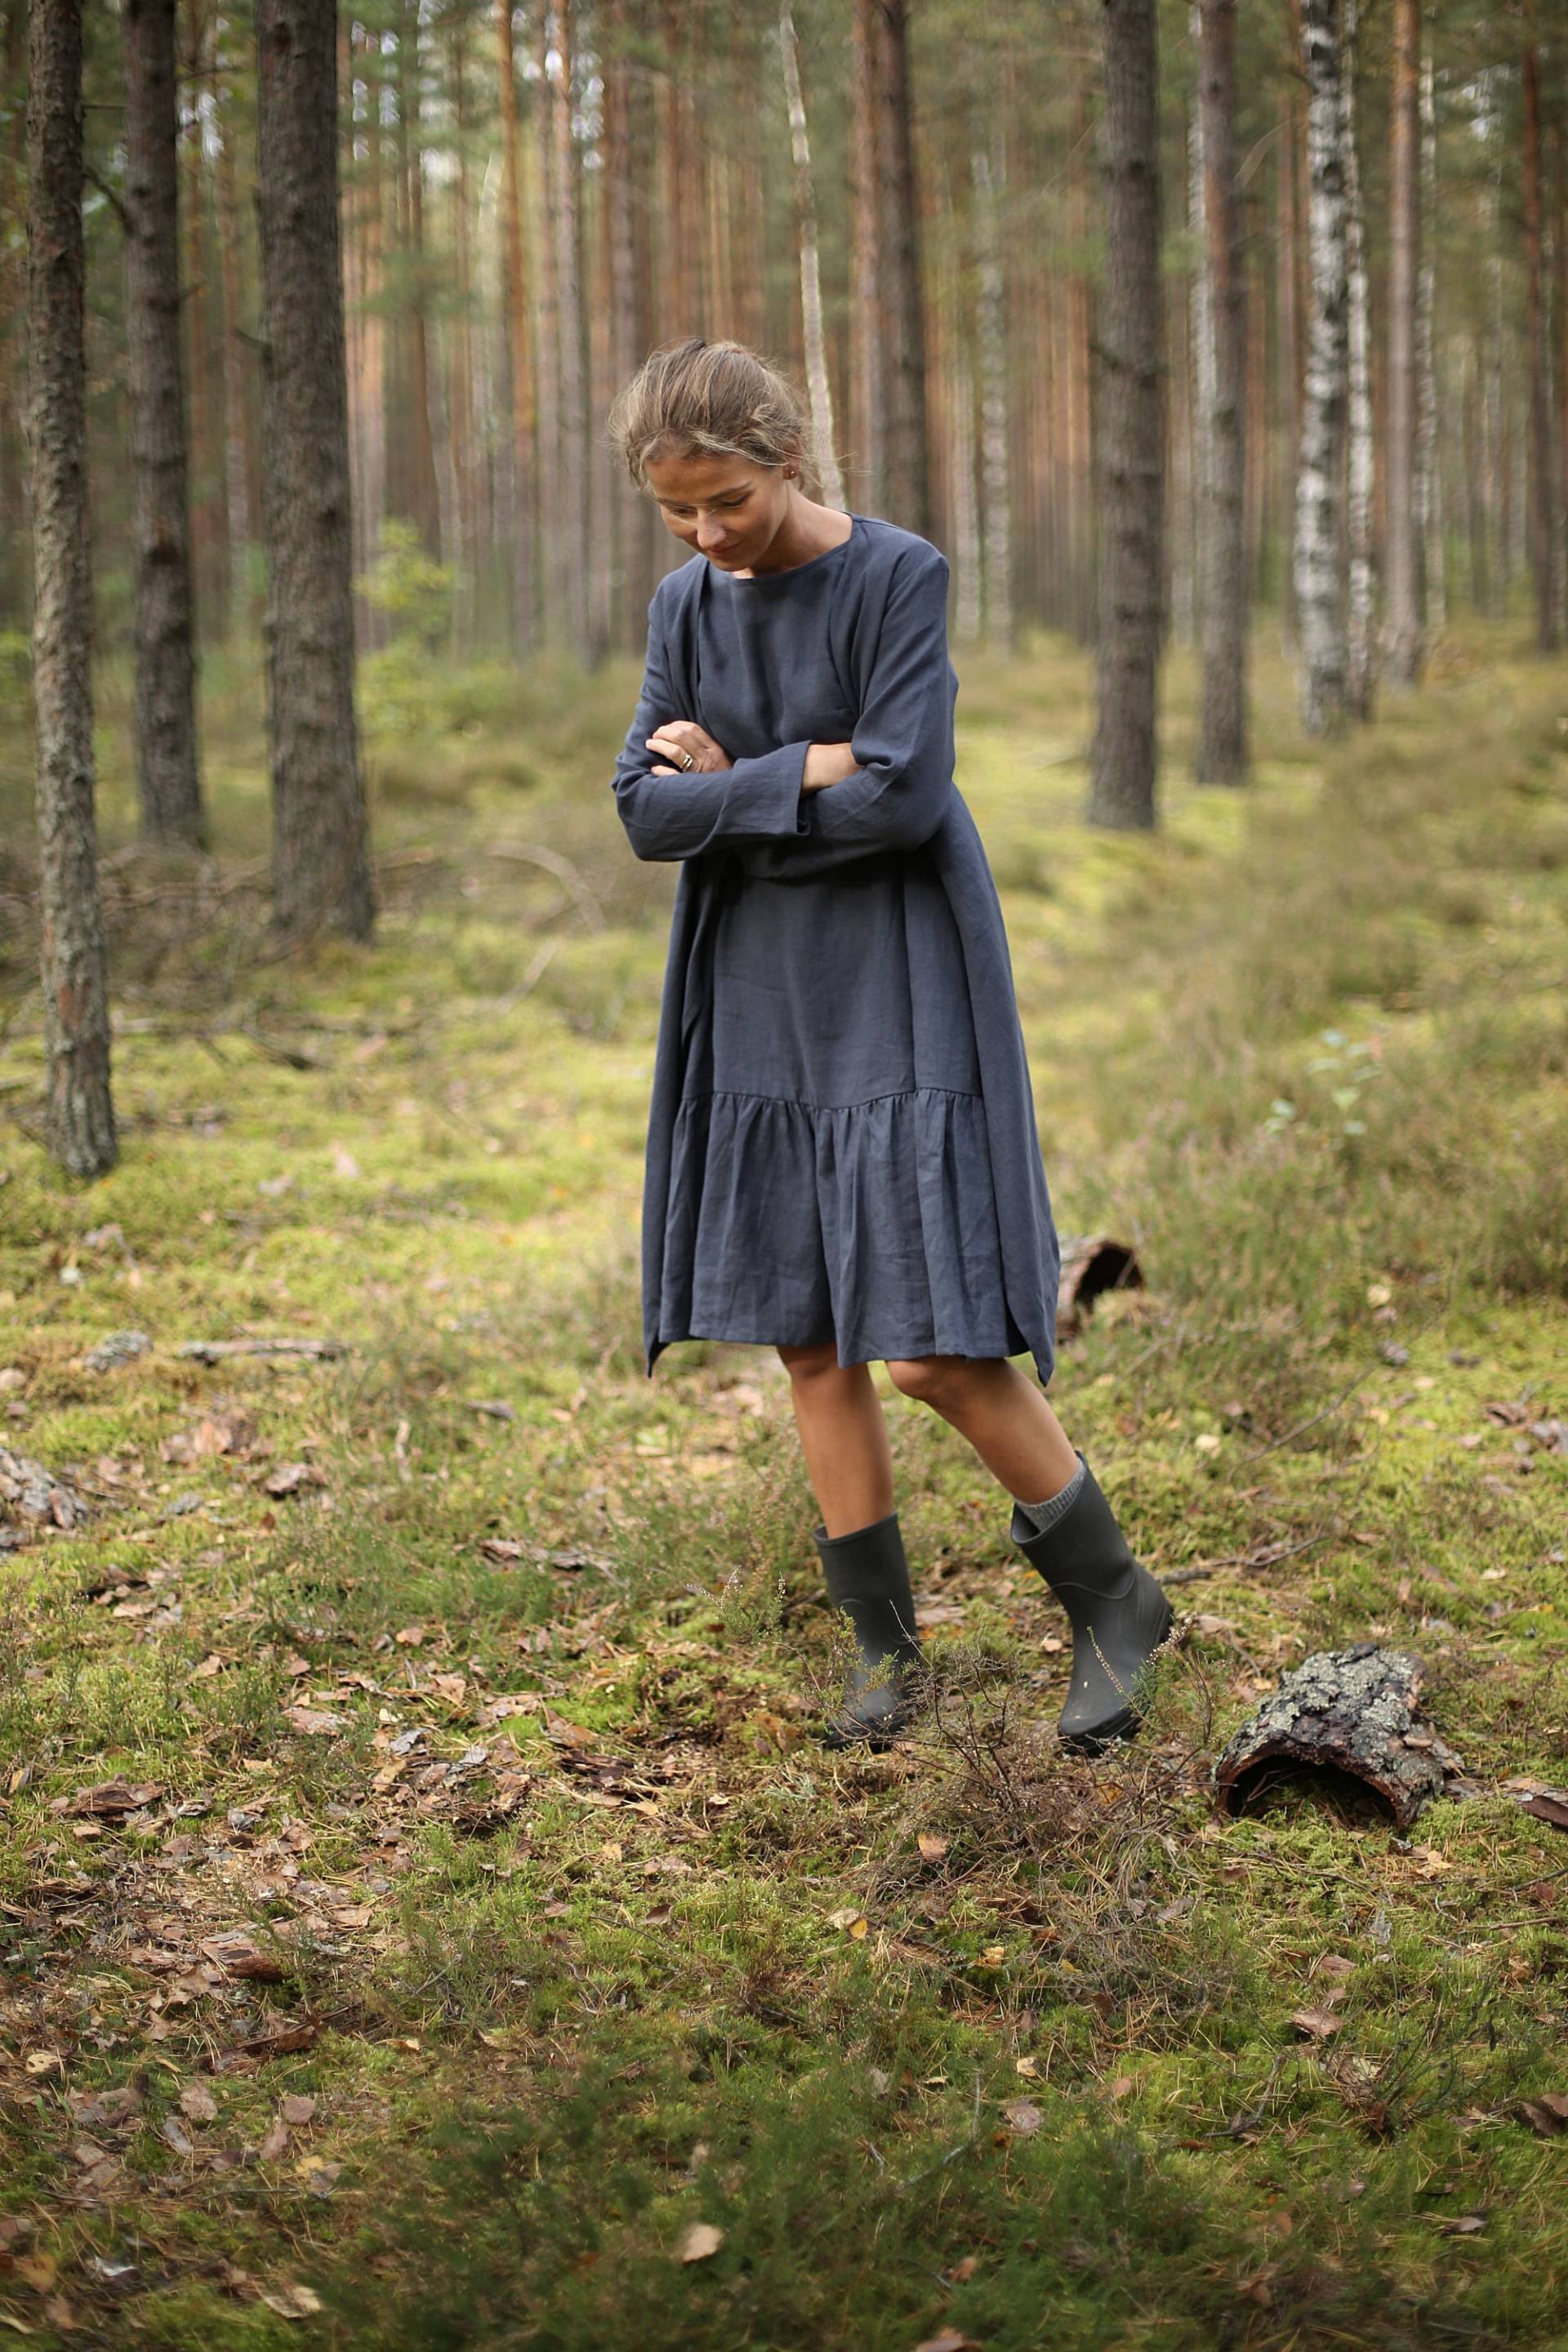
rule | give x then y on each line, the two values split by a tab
237	456
78	1107
1223	752
1362	672
907	440
1402	629
520	371
320	860
573	407
818	390
1543	488
1131	344
1429	445
1319	589
867	265
1001	623
167	780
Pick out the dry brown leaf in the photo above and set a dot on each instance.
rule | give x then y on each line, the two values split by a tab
1546	2113
949	2340
198	2103
274	2146
292	2301
1023	2117
1316	2025
699	2242
316	1722
933	1848
297	2107
238	1954
1461	2225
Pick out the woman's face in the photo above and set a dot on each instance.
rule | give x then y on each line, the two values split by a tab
728	509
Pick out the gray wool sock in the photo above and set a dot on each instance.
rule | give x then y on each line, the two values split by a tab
1056	1506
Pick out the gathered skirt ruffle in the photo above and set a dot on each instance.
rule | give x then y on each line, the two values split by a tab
872	1224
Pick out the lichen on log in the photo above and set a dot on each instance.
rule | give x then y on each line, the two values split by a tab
1351	1711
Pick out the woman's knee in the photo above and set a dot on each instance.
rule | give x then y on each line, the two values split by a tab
926	1379
809	1363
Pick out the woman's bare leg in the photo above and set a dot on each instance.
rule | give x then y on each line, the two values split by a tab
844	1436
1006	1416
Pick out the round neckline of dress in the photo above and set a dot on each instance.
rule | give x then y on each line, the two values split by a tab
766	579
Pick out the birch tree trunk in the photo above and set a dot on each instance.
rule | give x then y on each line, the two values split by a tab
1428	448
168	785
1402	626
1130	345
1362	670
1224	757
1320	590
818	389
1001	625
78	1108
321	859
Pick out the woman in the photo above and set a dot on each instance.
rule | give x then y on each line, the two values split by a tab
842	1156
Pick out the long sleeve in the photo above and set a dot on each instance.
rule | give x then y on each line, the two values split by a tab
753	801
899	795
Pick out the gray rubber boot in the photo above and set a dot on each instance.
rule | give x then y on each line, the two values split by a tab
1119	1612
868	1579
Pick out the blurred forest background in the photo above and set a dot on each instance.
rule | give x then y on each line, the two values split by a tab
531	200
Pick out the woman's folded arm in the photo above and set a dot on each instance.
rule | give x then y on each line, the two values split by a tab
900	793
753	801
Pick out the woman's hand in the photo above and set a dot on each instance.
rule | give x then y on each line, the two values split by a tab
679	735
827	763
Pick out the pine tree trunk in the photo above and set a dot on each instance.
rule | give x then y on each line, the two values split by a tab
13	329
867	354
1223	753
1319	589
818	390
78	1109
1543	499
320	861
238	462
520	368
635	520
1289	371
545	248
1131	435
168	785
424	493
461	398
907	452
1001	623
1402	629
1429	445
566	166
1362	672
1201	368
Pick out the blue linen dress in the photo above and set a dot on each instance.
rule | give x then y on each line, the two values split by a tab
841	1141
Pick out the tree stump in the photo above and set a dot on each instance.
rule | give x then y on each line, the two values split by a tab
1349	1711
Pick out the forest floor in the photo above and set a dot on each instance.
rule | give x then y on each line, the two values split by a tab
427	1916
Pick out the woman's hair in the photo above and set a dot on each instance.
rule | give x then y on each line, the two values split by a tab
695	398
